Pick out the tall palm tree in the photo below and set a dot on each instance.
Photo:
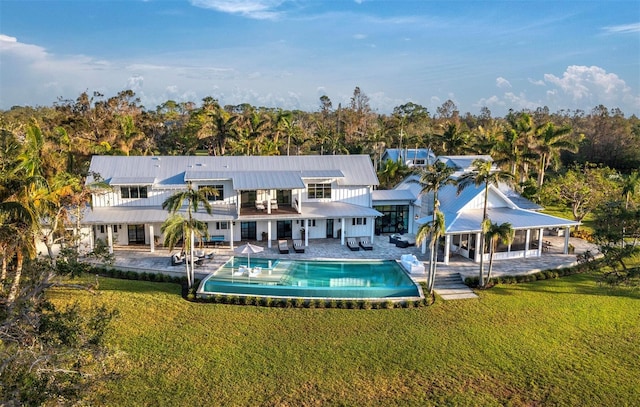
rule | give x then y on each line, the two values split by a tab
434	229
454	139
432	178
550	142
483	175
194	199
495	233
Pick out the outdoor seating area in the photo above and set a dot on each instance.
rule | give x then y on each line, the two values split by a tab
199	257
298	247
365	244
262	205
283	246
411	263
403	240
352	244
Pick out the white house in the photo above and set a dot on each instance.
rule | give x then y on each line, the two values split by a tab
463	214
411	157
259	197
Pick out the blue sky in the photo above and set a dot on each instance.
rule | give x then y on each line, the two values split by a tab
277	53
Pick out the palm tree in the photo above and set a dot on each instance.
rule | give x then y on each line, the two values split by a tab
435	229
551	141
483	175
193	198
454	139
495	233
432	178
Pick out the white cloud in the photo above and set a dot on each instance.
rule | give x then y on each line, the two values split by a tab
537	83
359	36
622	29
594	85
502	82
256	9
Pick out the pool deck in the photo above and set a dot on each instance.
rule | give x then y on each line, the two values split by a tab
140	259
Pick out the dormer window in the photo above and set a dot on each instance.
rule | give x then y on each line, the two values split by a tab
133	192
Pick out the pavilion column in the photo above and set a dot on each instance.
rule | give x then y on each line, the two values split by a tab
231	224
152	242
299	200
306	232
478	239
424	246
342	224
540	236
110	238
269	233
447	246
373	228
238	202
567	234
527	241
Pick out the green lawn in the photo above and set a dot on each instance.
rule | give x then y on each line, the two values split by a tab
553	342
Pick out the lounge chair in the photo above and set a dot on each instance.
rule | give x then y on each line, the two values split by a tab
352	244
242	270
298	247
260	205
365	244
255	272
177	259
283	246
274	204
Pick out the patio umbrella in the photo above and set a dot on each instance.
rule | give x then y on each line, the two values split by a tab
247	249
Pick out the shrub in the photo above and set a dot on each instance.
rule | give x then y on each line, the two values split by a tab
333	304
298	303
388	304
319	303
366	304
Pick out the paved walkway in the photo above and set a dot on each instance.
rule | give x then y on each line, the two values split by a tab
449	286
138	258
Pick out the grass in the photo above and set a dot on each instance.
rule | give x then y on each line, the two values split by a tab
554	342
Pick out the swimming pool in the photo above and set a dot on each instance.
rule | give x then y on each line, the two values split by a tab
357	279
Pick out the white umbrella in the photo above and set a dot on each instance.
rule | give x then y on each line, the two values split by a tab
247	249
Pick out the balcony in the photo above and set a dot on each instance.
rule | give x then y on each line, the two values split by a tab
259	208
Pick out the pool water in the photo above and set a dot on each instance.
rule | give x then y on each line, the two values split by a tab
370	279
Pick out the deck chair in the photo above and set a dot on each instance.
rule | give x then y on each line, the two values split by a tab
365	244
283	246
298	247
255	272
352	244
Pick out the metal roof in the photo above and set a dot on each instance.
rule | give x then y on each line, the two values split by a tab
170	171
393	195
469	221
138	215
131	180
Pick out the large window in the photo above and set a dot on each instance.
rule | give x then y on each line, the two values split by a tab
133	192
394	219
215	197
319	191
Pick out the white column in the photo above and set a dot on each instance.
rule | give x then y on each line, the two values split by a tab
447	248
238	202
424	246
269	233
231	235
540	235
373	228
110	238
299	201
566	240
342	223
527	240
306	232
152	242
478	239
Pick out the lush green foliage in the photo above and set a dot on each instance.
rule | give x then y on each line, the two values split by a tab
562	341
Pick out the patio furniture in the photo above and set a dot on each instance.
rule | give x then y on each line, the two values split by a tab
283	246
406	241
411	263
352	244
365	244
242	270
274	204
393	239
298	247
177	259
260	205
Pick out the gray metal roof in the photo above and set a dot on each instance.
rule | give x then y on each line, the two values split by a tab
393	195
131	180
249	180
469	221
171	171
139	215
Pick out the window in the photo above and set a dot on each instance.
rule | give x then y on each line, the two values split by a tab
133	192
319	191
215	197
359	221
222	225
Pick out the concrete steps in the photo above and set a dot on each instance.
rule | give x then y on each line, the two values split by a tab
449	286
